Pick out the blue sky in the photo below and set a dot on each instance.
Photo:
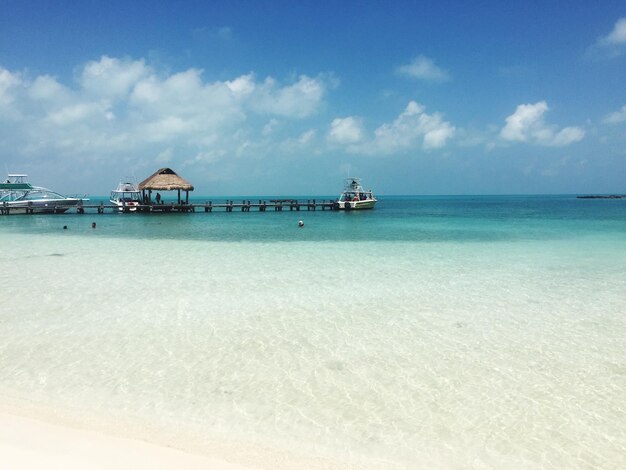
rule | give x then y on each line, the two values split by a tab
245	97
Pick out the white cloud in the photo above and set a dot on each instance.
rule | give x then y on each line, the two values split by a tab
299	100
242	86
347	130
183	102
565	136
436	138
120	107
617	36
307	137
112	78
527	124
8	81
46	89
79	112
411	126
423	68
616	117
525	116
610	46
412	129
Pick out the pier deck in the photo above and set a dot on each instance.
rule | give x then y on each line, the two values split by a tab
207	207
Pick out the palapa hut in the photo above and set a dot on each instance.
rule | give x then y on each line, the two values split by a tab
165	179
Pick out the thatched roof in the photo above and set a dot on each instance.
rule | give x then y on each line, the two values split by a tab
165	179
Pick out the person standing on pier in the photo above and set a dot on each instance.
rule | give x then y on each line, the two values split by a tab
158	198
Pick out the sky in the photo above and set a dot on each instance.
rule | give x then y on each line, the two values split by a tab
289	98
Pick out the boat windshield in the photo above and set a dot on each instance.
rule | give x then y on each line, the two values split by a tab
39	194
355	196
126	196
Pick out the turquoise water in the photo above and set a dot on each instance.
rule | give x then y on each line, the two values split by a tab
433	332
414	219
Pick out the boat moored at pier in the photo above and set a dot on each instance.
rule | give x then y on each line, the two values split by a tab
126	195
354	197
19	196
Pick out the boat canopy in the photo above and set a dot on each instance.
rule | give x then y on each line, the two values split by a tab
16	187
16	182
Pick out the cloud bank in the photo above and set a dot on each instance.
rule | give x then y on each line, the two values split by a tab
122	113
120	110
412	129
118	106
527	124
347	130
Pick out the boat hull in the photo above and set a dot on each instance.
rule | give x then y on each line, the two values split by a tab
41	207
355	205
130	206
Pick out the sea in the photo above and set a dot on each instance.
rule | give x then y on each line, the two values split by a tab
441	332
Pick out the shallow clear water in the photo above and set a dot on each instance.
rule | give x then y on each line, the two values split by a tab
461	332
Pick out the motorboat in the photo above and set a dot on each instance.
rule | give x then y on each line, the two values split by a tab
19	196
127	196
355	197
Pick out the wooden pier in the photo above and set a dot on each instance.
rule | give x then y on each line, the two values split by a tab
228	205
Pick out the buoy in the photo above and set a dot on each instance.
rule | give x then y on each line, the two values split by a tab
300	224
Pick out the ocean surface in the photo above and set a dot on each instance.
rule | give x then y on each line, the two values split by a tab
432	332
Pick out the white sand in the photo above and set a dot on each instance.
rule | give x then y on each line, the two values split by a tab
29	444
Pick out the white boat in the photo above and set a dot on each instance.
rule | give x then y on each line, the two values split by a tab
355	197
127	195
19	196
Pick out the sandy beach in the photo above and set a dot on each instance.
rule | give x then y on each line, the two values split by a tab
26	443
